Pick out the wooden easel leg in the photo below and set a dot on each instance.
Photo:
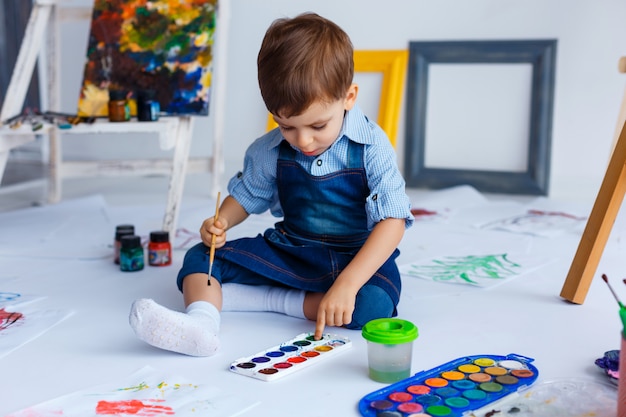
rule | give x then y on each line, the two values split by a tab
179	170
55	179
621	118
8	142
599	225
26	59
52	101
21	76
4	157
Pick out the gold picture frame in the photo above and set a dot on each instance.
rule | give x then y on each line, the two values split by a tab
393	65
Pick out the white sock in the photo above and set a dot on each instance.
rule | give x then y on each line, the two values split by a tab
239	297
204	309
193	333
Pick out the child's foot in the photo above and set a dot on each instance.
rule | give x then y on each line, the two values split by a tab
194	335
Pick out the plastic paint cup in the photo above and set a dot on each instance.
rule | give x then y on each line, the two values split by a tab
389	348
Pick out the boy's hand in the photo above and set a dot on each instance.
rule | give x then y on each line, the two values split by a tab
335	309
210	227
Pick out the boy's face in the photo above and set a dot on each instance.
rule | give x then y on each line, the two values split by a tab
318	127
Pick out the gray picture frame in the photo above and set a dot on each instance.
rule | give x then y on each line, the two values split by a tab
541	55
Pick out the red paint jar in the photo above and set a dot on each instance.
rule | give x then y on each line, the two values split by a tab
159	249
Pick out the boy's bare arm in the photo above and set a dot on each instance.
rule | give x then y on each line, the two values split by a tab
231	214
337	305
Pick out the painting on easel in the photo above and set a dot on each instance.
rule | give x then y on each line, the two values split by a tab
161	46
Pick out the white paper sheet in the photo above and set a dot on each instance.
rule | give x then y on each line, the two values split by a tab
73	229
15	299
147	393
19	326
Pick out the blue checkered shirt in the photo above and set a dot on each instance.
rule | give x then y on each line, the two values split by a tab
256	190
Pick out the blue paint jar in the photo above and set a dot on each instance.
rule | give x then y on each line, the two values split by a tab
131	254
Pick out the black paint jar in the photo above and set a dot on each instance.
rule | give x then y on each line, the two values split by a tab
148	108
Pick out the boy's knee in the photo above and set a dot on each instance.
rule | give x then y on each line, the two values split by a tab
372	302
195	261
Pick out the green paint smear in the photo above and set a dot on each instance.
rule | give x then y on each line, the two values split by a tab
468	268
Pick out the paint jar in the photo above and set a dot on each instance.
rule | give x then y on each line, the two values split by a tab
389	348
131	254
121	230
159	249
148	108
119	109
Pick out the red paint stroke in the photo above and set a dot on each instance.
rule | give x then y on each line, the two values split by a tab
555	213
422	212
190	236
8	318
133	407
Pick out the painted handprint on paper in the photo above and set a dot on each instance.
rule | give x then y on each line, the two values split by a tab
134	408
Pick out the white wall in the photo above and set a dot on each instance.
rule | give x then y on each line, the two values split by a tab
591	38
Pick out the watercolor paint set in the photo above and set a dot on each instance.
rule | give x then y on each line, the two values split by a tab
454	389
298	353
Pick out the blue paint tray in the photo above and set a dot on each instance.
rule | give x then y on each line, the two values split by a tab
456	388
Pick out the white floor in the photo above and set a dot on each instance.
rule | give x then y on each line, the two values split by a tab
523	315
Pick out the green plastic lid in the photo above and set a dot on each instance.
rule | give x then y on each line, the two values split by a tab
390	331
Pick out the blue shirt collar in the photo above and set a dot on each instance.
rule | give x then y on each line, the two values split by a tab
355	126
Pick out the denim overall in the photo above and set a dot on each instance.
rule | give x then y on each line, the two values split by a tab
324	226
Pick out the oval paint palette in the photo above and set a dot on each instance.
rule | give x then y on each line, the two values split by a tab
565	397
453	389
291	356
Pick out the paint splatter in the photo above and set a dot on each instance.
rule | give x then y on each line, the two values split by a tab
135	388
418	212
9	296
555	213
133	407
162	386
189	236
537	222
8	318
467	268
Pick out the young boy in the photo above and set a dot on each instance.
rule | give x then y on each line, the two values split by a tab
330	173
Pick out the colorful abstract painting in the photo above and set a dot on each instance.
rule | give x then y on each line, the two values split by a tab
165	46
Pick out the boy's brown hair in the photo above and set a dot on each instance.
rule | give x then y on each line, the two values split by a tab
302	60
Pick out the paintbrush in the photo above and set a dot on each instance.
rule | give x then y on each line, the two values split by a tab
622	309
212	248
606	279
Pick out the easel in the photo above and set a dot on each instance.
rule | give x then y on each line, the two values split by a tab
602	217
173	132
